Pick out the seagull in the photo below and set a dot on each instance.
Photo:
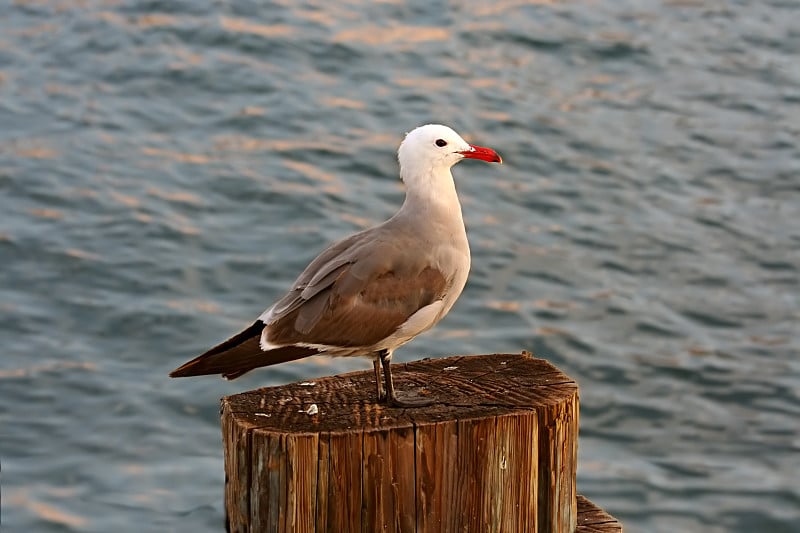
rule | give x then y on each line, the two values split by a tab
372	292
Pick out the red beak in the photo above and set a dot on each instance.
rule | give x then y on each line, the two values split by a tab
484	154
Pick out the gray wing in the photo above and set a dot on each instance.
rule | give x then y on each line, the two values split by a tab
356	293
317	276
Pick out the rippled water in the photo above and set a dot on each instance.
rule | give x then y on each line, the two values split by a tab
167	168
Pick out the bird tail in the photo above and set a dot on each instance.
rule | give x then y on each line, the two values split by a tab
239	355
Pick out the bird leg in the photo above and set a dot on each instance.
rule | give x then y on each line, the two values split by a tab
391	398
376	364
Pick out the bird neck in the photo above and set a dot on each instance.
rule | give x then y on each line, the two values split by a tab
433	192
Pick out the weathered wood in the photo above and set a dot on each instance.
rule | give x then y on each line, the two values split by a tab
592	519
498	452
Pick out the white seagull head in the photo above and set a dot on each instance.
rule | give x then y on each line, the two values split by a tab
434	148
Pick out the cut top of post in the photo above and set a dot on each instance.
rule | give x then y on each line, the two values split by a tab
463	387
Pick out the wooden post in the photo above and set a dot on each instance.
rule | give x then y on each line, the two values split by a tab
498	452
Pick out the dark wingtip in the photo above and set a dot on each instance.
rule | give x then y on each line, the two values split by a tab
202	364
240	354
184	370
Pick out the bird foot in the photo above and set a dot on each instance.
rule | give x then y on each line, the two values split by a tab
396	401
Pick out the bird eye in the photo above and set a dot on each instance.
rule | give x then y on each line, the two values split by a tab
441	142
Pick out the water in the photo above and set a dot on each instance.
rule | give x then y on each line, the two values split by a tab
168	168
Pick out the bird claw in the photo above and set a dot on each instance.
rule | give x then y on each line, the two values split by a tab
410	402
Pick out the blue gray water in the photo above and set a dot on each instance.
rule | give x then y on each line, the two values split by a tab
167	168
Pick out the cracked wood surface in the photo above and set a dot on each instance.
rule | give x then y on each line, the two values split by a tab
497	452
592	519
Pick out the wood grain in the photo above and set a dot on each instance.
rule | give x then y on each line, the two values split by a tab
497	452
592	519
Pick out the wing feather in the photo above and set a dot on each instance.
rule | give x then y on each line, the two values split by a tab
362	317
